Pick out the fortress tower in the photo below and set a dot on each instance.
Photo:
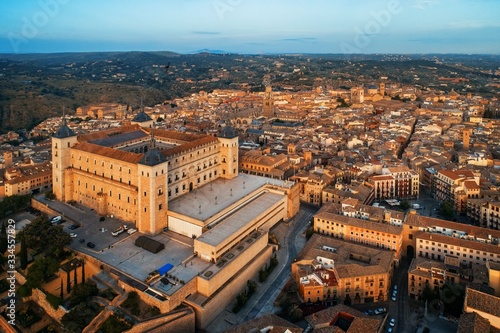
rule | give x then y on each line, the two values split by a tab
62	141
228	139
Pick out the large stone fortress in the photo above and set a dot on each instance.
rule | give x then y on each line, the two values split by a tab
188	183
132	172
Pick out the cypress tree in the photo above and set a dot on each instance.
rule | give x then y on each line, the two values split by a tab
23	253
83	271
3	239
68	282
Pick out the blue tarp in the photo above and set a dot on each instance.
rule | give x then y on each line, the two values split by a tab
162	270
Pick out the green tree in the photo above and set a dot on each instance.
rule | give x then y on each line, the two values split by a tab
14	203
132	303
295	313
309	232
404	205
50	195
447	210
285	303
41	270
83	271
83	292
242	299
75	277
115	324
23	253
3	239
427	293
68	283
41	234
80	316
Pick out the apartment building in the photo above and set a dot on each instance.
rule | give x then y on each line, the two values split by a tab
361	224
456	186
28	179
331	270
435	238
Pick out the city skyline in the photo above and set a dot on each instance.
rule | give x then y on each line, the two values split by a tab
256	27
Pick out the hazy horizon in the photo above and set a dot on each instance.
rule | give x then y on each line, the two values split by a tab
252	27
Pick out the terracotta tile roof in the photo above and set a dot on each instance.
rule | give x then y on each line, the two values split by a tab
107	133
200	141
429	222
109	152
382	177
380	260
269	320
360	323
327	213
473	323
179	136
476	300
463	243
470	184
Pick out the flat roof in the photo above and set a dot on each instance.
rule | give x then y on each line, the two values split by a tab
201	204
240	217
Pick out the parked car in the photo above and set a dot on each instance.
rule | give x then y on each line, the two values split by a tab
369	312
131	231
392	322
56	219
380	311
91	245
73	235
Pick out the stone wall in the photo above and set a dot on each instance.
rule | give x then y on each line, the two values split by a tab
176	321
43	208
40	298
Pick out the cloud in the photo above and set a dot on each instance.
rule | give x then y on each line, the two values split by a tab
205	32
300	39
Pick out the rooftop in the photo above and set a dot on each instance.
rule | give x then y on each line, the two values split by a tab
350	259
210	199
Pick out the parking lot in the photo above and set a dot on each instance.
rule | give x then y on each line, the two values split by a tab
120	251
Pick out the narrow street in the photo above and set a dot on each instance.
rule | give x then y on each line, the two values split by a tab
291	236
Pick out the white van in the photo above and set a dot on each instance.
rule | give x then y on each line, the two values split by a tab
56	219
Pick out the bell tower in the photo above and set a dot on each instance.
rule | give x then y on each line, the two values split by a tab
268	103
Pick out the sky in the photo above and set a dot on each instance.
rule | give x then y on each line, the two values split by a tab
251	26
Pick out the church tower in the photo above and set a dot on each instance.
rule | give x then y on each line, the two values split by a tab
228	139
62	141
466	138
268	103
152	190
382	88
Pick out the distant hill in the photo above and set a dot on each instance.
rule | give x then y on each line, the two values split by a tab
36	86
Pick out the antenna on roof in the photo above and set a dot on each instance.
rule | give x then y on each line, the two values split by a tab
64	116
152	144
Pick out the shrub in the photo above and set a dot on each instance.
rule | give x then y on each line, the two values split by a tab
24	291
54	301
